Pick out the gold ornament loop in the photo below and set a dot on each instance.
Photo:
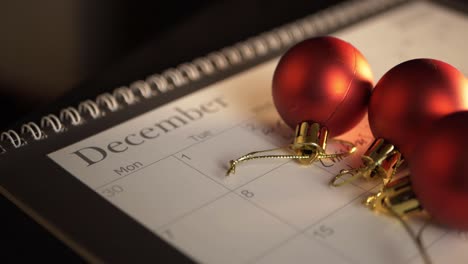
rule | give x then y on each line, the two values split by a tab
308	151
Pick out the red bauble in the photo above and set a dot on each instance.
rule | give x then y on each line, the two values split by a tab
439	171
411	96
323	80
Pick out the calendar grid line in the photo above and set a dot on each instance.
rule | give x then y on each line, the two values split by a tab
299	231
446	232
166	225
218	183
261	175
169	155
215	135
315	222
272	249
270	213
217	198
201	172
269	139
336	250
180	217
130	173
239	124
428	246
332	212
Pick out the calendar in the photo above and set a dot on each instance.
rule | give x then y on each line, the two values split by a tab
167	167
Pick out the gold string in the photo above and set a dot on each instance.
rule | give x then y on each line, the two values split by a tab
250	156
417	238
318	153
339	180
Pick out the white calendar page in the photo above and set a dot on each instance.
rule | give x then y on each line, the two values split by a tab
166	168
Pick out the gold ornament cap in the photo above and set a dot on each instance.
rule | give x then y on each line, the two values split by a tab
381	161
310	139
397	196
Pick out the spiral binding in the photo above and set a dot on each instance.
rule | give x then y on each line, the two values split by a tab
185	73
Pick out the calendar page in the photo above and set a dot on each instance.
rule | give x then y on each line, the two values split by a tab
167	168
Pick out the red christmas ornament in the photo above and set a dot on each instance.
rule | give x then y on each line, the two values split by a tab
402	107
439	171
322	80
438	183
321	86
411	96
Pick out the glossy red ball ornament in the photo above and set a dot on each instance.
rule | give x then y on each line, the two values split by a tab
411	96
439	171
323	80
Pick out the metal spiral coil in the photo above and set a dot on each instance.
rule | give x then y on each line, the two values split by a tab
185	73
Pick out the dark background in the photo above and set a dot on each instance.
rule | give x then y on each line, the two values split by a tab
55	53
